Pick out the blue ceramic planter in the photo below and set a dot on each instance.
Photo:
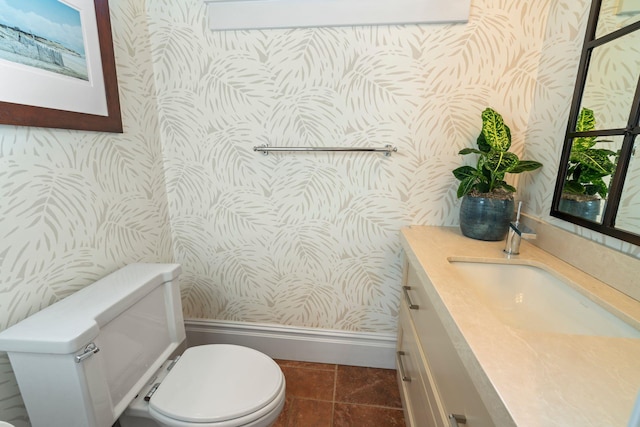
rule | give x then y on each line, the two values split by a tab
484	218
587	209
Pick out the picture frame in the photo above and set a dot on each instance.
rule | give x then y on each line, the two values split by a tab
59	86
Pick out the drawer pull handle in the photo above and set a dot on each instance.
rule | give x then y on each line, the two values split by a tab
404	376
406	290
455	420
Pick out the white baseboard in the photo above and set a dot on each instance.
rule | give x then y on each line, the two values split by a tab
373	350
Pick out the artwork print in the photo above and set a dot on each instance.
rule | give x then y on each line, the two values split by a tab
45	34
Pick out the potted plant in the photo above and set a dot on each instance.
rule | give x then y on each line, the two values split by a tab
584	186
487	199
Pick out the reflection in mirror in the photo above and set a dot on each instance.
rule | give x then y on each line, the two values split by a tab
597	166
615	14
628	217
613	71
591	164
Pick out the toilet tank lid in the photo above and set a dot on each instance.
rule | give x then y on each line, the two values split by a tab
71	323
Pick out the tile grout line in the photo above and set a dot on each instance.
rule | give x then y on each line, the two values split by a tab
335	388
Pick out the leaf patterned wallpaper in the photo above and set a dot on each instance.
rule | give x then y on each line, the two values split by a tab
294	239
312	239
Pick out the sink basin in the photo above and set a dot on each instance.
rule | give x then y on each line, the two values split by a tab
528	297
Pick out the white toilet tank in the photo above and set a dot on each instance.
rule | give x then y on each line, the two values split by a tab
80	361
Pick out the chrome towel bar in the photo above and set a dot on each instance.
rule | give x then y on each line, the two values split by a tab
387	149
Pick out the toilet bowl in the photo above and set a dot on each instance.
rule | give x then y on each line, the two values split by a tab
216	385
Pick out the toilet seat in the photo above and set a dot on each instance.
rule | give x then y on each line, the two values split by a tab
218	385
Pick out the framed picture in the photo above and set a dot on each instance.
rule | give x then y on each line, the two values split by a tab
57	67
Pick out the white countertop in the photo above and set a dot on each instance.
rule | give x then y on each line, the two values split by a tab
532	379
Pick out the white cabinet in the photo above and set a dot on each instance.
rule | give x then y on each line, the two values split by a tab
435	387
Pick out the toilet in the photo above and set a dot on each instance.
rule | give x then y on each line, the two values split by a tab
111	353
242	388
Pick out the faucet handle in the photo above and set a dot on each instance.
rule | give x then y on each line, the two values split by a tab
523	231
516	233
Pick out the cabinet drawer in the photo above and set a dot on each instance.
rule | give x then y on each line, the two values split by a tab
421	409
452	383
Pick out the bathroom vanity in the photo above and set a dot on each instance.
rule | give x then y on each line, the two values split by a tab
523	340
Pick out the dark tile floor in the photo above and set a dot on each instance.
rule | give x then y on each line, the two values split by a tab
324	395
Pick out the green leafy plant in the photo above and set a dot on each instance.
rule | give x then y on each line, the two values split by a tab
494	161
587	165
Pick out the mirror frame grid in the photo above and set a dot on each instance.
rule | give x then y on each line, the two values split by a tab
607	225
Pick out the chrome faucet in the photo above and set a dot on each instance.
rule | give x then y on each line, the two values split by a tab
516	233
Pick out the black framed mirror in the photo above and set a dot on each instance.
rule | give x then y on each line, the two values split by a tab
598	184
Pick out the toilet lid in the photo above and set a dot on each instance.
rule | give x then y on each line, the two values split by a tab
218	382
